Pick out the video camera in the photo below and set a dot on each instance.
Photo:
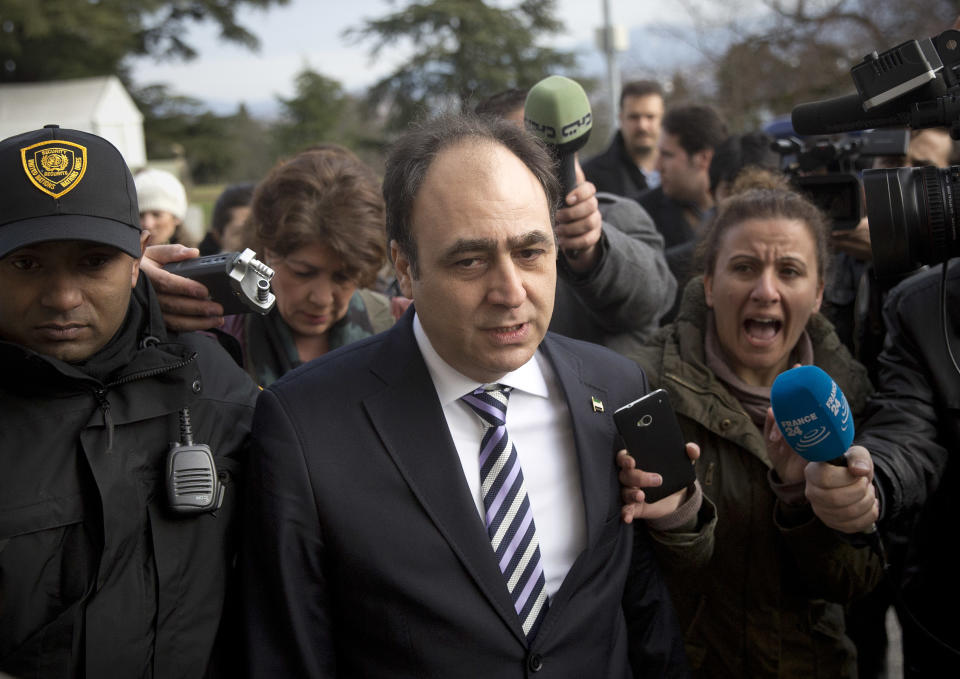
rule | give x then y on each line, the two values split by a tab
827	169
913	212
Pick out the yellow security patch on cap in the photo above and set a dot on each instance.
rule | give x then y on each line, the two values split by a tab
55	167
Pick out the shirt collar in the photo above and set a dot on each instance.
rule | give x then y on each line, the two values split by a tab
451	384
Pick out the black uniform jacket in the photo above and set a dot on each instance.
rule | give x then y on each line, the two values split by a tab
614	171
97	577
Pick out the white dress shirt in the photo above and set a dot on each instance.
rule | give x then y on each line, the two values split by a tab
538	421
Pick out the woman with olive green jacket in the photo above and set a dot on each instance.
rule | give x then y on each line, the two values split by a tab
759	591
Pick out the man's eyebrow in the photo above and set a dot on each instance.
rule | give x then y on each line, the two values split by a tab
468	245
527	239
464	245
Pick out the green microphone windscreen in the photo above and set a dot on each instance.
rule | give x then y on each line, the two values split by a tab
558	111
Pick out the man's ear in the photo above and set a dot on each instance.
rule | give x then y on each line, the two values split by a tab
702	159
135	269
402	265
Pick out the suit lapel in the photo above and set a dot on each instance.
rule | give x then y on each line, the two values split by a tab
409	420
592	433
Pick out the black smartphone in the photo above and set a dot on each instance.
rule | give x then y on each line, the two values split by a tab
653	438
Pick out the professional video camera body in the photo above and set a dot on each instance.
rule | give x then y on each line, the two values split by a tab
913	212
827	169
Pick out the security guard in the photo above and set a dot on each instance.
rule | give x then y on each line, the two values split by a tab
119	443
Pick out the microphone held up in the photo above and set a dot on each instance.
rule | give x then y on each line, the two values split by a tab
813	414
557	111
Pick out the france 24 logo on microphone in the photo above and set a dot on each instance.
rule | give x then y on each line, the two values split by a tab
812	413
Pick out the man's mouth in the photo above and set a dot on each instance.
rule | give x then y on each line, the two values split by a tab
60	332
509	334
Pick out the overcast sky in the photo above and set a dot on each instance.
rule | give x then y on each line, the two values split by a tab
308	32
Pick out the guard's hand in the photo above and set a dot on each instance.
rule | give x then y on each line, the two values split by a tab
579	225
633	481
844	497
185	303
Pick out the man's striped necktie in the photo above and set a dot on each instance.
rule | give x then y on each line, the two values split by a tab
508	516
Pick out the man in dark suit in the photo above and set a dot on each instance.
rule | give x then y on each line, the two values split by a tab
441	500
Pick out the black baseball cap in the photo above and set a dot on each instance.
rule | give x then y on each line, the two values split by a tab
59	184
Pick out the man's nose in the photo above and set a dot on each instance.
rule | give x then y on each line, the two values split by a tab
506	286
61	293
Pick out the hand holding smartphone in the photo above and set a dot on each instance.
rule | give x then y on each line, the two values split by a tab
653	438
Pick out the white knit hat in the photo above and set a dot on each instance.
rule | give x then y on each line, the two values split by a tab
160	190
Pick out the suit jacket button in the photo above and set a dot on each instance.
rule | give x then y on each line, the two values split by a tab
535	662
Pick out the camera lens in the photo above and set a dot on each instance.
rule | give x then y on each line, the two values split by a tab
913	217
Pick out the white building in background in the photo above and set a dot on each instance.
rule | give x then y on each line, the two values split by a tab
99	105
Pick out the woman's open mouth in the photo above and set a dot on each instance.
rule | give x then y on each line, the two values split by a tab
762	329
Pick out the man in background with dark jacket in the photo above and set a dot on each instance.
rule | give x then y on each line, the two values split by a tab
115	544
628	167
683	204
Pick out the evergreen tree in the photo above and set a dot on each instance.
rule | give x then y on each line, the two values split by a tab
314	114
54	39
463	51
217	148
